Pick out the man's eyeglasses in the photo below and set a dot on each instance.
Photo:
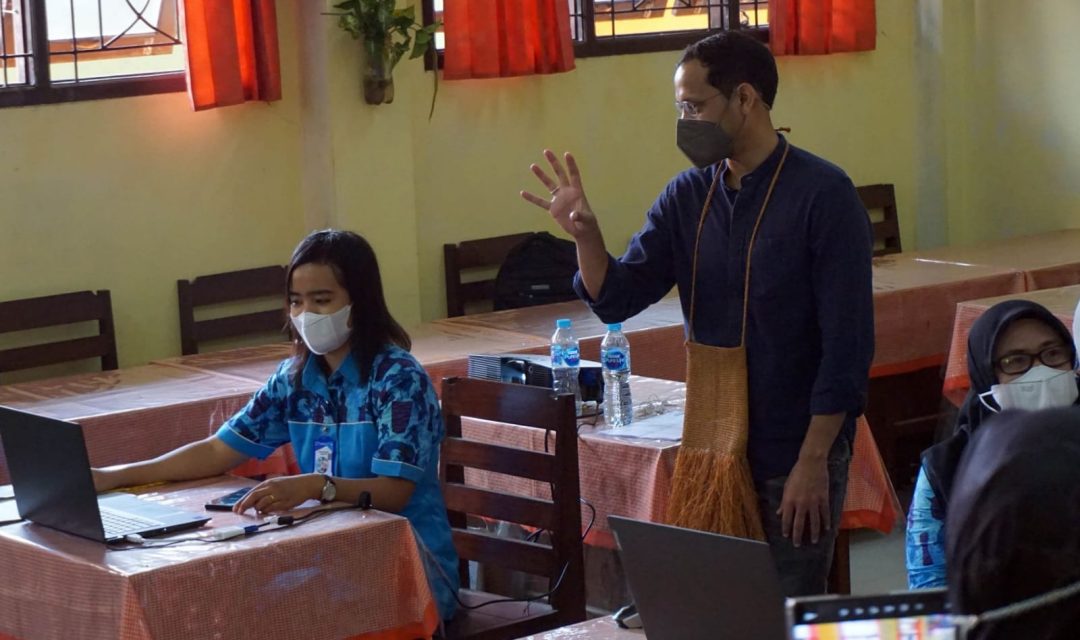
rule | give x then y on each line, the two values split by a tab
692	108
1018	363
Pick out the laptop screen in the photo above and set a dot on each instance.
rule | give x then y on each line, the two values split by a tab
931	627
917	615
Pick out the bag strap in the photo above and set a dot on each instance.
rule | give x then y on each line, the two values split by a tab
749	249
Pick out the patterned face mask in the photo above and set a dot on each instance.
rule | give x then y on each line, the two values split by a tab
323	333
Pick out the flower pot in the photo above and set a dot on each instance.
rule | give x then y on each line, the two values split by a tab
378	73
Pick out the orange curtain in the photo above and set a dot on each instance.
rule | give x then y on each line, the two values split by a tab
499	38
810	27
232	52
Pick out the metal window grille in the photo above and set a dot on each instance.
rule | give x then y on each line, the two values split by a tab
64	50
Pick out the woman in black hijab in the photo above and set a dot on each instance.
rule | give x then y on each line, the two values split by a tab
1014	341
1014	527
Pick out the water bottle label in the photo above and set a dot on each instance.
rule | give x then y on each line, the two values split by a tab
571	356
615	360
557	358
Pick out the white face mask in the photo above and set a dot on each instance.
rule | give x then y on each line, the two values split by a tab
1042	387
324	333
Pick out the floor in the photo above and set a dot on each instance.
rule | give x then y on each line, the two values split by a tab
877	562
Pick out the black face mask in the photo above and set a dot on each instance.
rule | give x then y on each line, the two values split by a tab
705	143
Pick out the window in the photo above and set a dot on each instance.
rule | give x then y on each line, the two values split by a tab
609	27
64	50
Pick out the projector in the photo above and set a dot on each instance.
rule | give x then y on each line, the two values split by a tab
535	370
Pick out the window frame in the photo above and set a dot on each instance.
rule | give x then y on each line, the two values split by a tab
44	91
594	47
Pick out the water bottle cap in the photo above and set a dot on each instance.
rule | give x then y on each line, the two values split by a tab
615	326
563	323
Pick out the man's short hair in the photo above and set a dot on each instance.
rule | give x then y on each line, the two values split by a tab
732	58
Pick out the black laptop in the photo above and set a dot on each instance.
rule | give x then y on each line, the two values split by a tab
692	585
50	472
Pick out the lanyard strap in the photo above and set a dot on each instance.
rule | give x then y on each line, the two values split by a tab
749	249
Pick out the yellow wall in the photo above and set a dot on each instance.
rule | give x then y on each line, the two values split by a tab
1022	146
131	194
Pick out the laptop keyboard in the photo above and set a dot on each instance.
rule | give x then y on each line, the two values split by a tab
119	523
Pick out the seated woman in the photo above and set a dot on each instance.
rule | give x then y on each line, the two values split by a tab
1020	356
1013	542
359	410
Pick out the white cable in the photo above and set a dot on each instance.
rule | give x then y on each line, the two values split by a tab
224	533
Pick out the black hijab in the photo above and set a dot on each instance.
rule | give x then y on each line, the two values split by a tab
940	460
1014	525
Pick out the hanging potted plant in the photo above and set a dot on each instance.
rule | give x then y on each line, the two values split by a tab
387	34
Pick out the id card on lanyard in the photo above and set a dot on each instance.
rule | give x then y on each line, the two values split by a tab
324	449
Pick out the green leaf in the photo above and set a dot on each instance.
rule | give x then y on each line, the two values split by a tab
349	23
401	24
348	5
408	12
419	47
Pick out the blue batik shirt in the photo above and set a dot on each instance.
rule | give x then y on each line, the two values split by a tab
391	427
925	538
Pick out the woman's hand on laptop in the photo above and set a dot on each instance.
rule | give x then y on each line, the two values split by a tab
282	494
104	480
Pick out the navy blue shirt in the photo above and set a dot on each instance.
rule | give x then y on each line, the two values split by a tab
810	323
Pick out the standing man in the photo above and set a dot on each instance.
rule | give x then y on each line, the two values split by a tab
806	319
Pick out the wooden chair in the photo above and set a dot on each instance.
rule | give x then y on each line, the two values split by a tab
51	311
486	253
561	562
882	197
232	286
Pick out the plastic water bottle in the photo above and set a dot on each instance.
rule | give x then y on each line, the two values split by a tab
565	361
615	358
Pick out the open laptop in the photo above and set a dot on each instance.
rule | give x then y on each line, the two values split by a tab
50	472
922	614
691	585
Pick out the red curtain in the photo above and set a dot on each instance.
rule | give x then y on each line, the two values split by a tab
232	52
809	27
499	38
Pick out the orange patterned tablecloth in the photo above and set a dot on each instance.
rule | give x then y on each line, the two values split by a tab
915	302
1048	259
255	364
631	477
1061	302
442	349
138	412
354	574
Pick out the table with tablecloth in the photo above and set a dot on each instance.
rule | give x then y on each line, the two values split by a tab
350	574
1047	260
603	628
656	334
631	477
914	303
442	348
1061	301
137	412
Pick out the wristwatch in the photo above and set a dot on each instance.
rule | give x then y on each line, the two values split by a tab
329	490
